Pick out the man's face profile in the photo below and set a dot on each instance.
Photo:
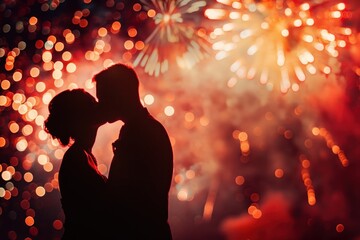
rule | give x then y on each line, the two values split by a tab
107	105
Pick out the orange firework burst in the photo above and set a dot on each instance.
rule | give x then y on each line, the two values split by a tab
280	43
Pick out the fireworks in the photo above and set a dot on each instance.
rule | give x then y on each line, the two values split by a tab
280	43
175	38
231	148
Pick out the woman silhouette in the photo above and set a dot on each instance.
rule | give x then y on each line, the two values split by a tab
72	120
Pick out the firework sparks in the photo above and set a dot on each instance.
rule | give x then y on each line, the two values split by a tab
280	43
305	174
210	201
331	144
175	37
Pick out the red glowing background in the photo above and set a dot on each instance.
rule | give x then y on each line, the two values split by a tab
260	98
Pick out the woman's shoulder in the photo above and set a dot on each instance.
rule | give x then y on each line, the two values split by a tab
74	155
74	151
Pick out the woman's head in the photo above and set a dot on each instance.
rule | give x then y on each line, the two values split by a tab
71	113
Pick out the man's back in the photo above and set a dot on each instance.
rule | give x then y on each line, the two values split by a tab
139	180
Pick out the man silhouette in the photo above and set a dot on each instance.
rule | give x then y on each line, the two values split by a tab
141	171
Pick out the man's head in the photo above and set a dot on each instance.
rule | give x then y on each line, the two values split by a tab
117	89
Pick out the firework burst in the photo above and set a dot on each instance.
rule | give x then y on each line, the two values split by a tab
175	38
280	43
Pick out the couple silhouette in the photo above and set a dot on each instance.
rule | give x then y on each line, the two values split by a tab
132	202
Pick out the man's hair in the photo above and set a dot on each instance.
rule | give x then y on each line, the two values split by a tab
118	77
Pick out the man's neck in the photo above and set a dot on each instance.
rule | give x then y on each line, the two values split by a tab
134	115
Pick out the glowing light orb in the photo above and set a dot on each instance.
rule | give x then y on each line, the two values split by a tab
279	43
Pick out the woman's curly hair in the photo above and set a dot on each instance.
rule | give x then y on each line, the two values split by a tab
68	111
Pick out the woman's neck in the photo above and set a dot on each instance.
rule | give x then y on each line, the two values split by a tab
83	145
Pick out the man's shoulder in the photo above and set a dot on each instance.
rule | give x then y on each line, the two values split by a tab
156	125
